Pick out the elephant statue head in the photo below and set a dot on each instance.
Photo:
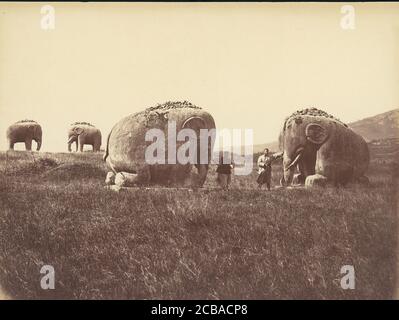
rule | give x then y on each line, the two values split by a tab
25	131
127	145
322	148
82	133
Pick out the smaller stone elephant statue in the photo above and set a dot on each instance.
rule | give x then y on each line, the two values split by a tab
83	133
25	131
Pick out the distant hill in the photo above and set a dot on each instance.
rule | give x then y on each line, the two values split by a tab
381	126
272	146
384	150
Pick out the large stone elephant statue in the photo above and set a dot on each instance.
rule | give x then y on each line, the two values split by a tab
324	150
84	133
25	131
126	146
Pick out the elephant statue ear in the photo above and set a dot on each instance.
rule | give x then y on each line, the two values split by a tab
195	123
315	133
78	130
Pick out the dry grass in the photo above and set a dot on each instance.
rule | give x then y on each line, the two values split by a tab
159	244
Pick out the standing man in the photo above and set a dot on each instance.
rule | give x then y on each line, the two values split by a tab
224	173
265	168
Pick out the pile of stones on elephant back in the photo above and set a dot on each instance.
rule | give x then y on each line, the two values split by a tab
82	123
170	105
160	111
26	120
313	112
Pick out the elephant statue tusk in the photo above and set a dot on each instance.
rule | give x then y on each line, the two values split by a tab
297	158
71	139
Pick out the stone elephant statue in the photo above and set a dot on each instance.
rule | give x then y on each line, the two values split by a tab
84	133
25	131
324	150
127	146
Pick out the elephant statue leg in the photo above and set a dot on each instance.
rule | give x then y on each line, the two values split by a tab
202	173
96	146
38	145
298	179
125	179
28	144
144	175
11	145
110	178
81	144
316	180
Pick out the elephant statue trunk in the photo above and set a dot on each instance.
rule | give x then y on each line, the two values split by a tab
71	140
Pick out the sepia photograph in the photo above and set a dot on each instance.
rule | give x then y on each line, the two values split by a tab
199	151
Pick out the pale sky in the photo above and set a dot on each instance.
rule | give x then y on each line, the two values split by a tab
249	64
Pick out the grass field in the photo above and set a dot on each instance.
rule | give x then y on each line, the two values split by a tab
163	244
